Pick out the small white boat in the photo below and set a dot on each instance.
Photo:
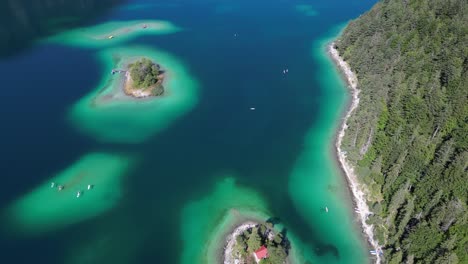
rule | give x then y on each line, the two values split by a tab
326	209
60	187
52	185
90	186
78	194
252	108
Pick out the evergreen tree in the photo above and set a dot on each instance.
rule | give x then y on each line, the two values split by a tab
254	241
411	61
144	73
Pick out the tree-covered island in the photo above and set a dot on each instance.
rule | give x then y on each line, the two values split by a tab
144	78
261	244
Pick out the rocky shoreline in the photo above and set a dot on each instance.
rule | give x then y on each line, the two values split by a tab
231	241
358	190
155	90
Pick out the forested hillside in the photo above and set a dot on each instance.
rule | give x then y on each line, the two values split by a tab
409	135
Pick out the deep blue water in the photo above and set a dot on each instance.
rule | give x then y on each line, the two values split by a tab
220	135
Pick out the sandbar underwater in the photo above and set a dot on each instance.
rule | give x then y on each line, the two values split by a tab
111	116
112	33
207	221
97	176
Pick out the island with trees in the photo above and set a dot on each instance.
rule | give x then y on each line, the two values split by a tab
257	242
408	138
111	115
144	78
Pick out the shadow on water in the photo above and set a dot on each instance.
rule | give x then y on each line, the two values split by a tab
327	249
24	21
273	220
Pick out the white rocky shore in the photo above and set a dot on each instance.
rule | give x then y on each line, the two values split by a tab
229	258
137	93
358	190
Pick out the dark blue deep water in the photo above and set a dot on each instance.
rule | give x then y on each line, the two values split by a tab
217	136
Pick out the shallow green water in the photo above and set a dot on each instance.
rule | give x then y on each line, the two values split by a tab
96	176
315	182
109	115
205	222
113	33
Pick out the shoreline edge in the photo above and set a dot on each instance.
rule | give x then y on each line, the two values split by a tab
357	190
231	241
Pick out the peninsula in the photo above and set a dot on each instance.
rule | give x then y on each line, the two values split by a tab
143	78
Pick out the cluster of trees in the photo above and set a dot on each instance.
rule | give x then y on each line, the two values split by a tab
409	136
253	238
144	73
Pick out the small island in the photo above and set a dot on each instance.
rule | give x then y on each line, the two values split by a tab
143	78
254	242
111	115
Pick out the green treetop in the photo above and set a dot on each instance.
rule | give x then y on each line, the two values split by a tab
144	73
254	241
409	136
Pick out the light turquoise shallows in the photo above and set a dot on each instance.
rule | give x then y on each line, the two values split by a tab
112	33
47	208
109	115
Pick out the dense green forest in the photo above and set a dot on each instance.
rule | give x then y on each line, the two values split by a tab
144	73
409	136
262	235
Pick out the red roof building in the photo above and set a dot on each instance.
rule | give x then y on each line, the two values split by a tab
261	253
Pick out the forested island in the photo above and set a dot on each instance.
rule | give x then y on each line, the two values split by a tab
144	78
408	138
257	243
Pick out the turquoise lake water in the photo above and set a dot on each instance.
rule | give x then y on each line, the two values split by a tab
171	177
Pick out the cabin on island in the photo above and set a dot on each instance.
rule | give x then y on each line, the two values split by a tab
261	253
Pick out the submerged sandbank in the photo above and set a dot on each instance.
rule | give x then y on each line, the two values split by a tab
112	33
97	176
307	10
358	191
110	115
209	224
